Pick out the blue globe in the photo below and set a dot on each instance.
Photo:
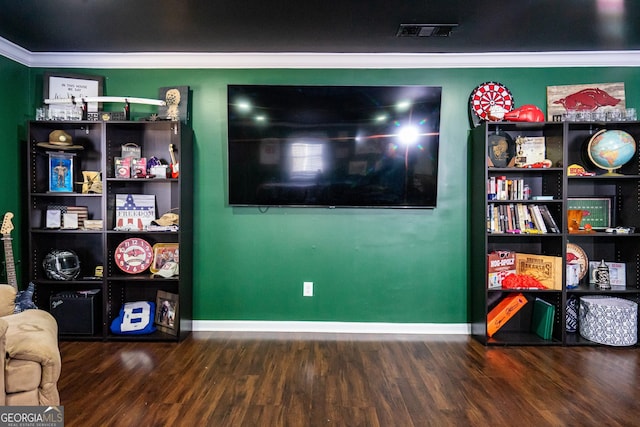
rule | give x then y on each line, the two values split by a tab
611	149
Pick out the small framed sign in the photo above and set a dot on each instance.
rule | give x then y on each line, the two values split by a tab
61	172
63	86
596	211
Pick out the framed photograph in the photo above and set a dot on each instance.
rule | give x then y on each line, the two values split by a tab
166	317
163	253
595	211
62	86
61	172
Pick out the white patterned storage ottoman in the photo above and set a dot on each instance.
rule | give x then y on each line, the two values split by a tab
608	320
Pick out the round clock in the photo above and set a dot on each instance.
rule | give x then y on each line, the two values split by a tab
133	255
577	255
490	101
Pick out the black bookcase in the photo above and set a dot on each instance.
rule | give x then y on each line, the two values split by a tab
102	143
566	144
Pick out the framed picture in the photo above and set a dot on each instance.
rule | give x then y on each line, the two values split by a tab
63	86
601	97
595	211
177	103
61	172
163	253
167	312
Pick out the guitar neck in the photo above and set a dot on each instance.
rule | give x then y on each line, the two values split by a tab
10	264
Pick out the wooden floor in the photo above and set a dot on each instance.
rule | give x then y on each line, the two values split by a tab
249	379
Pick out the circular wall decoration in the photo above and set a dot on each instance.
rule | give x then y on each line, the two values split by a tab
576	255
488	96
133	255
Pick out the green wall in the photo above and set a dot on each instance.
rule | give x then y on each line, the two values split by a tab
369	265
14	111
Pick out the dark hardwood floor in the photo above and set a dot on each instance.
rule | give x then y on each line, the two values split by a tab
268	379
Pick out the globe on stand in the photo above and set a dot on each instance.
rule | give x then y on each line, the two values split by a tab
611	149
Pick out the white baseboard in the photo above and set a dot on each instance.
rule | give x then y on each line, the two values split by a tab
332	327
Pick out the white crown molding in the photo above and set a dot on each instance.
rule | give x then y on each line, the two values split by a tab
14	52
193	60
332	327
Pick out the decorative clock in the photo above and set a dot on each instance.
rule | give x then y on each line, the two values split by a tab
490	101
576	255
133	255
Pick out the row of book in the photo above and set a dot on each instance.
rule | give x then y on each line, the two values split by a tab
520	218
501	188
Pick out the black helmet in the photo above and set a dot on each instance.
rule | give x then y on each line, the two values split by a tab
61	264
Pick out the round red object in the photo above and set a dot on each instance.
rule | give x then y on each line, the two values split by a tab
489	95
133	255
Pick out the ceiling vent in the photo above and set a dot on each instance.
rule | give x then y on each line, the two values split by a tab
425	30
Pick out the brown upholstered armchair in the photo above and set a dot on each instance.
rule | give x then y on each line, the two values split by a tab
29	354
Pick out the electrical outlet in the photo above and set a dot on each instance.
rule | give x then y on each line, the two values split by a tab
307	289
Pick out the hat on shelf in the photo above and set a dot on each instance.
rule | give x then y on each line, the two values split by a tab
60	140
167	219
169	269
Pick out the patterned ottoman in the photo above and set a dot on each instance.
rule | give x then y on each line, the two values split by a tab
608	320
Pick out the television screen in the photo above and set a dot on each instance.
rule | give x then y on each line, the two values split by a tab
333	146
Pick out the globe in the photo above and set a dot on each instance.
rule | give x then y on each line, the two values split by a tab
611	149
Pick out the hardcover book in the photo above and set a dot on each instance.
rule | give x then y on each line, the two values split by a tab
552	226
542	318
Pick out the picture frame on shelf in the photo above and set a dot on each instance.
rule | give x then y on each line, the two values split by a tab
163	253
66	85
597	211
167	312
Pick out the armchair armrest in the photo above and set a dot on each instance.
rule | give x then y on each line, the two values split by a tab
33	335
7	300
3	345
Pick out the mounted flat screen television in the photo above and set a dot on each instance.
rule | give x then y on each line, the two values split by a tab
333	146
